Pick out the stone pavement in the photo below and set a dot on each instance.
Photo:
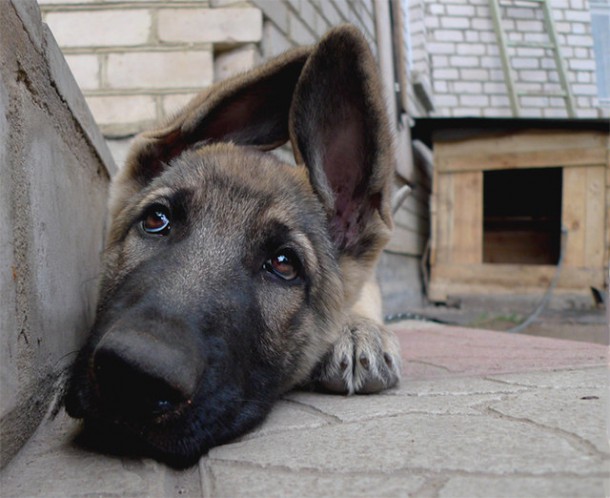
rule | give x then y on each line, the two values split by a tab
478	414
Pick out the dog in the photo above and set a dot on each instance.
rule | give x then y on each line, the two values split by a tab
230	276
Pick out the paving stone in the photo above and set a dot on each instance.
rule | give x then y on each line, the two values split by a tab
231	480
286	416
530	487
462	351
581	412
56	468
353	408
569	378
433	442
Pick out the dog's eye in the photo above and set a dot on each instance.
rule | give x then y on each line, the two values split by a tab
156	220
284	264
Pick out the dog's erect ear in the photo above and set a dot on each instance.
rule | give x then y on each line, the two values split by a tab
339	129
249	109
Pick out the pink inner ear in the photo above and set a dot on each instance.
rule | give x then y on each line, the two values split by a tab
345	167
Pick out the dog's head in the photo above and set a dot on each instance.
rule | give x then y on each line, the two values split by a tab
227	271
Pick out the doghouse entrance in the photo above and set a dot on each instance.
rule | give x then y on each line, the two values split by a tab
522	216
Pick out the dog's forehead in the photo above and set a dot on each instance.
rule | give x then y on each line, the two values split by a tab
232	177
237	188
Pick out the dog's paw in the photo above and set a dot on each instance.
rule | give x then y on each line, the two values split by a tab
365	359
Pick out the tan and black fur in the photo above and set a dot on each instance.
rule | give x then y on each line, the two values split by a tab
230	276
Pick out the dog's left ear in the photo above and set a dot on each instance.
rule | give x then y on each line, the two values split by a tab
339	129
249	109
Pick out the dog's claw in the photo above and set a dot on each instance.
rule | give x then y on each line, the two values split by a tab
388	359
365	359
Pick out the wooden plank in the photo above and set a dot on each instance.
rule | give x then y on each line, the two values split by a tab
444	219
516	277
573	215
526	149
595	220
536	159
467	218
522	141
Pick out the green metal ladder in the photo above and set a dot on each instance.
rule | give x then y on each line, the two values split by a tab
552	44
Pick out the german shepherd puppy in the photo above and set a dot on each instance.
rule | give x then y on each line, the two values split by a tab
231	276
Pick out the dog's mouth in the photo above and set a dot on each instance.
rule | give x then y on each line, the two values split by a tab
158	424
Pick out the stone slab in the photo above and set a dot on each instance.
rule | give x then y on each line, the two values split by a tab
458	351
519	434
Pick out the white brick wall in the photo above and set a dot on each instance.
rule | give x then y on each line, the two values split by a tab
138	61
288	23
455	46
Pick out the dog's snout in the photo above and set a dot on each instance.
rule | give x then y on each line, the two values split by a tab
138	376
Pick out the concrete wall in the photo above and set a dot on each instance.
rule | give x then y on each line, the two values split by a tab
54	172
454	46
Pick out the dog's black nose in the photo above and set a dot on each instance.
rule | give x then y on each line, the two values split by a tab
137	376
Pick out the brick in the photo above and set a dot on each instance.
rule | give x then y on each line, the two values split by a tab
171	69
500	100
298	31
440	61
530	25
102	28
534	76
525	63
497	112
227	3
275	11
455	22
464	61
440	87
52	2
436	9
460	10
171	104
114	110
482	24
582	65
474	100
470	49
445	100
467	87
308	14
236	25
274	41
441	48
579	40
445	74
474	74
342	7
432	22
235	61
537	101
86	70
473	37
330	13
446	35
584	89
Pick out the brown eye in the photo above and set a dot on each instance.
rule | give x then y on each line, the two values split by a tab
284	264
156	220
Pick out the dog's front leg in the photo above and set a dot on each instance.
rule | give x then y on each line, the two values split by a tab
366	358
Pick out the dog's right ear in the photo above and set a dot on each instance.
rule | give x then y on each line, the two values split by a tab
249	109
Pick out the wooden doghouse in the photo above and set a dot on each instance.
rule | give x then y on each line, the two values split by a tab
503	192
